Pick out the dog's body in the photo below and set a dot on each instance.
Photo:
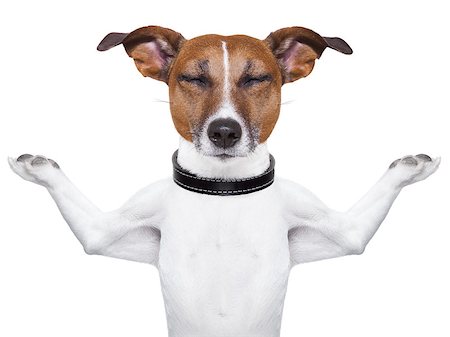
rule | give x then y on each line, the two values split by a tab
224	261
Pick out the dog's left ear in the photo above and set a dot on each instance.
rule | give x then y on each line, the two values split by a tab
153	49
297	48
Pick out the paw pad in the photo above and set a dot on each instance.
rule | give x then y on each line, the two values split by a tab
24	157
424	157
36	161
411	160
54	163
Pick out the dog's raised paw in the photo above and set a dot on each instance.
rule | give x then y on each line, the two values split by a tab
410	169
37	169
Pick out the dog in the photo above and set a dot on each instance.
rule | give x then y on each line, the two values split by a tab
224	232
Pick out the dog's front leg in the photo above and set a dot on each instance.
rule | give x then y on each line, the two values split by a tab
320	233
128	233
371	210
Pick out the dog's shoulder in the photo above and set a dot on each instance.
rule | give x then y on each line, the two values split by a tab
295	197
289	188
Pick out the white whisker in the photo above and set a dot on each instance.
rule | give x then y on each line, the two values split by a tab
288	102
157	100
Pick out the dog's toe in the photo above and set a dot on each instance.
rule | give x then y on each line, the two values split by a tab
24	157
394	163
409	160
39	161
54	163
424	157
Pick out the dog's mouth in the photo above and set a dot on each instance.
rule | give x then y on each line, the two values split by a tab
225	156
241	149
209	150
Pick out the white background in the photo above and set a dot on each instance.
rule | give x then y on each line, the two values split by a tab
95	115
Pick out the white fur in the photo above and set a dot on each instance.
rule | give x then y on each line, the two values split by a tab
224	262
248	165
226	72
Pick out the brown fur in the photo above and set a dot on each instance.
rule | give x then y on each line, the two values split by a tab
259	105
153	62
284	56
191	105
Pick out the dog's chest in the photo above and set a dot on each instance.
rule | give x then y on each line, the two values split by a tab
225	259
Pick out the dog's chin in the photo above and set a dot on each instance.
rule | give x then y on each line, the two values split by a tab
224	154
214	162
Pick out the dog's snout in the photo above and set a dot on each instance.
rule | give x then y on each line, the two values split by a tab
224	132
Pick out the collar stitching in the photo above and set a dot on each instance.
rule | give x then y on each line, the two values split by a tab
225	191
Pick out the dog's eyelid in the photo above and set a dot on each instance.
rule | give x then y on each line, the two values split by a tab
249	80
200	80
264	77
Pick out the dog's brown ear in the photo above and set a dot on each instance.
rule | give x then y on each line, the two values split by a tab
153	49
297	48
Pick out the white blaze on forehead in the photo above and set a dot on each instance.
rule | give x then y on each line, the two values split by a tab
226	73
226	109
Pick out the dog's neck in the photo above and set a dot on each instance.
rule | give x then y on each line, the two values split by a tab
232	168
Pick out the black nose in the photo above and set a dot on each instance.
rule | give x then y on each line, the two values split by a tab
224	132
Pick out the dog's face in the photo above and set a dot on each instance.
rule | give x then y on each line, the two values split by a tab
225	94
225	91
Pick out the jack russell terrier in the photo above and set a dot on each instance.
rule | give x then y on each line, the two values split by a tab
223	233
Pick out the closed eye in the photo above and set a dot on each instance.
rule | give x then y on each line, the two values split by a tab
200	81
250	81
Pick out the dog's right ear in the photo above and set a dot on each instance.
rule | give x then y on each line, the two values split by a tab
153	49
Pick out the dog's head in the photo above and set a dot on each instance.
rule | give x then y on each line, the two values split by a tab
225	91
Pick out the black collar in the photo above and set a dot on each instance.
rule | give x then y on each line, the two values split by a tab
221	187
